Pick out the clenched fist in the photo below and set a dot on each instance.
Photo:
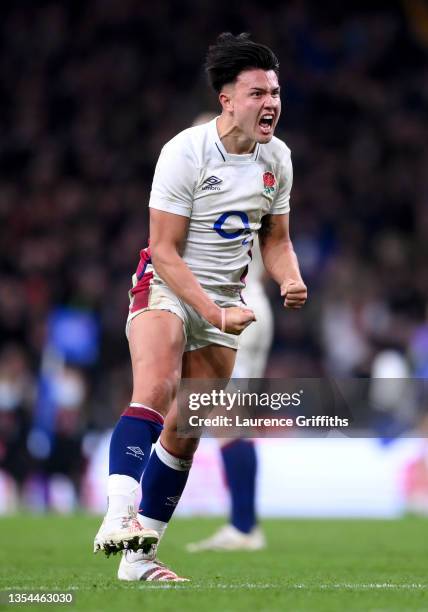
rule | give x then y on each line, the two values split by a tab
294	292
235	319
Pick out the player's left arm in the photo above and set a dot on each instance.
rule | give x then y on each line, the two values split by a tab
280	259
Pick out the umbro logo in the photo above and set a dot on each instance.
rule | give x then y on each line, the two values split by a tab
212	180
173	501
211	183
135	452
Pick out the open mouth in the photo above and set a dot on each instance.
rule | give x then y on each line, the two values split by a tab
266	123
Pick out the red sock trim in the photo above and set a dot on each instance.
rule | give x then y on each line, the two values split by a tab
143	413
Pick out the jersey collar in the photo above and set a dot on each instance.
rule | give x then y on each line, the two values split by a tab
227	157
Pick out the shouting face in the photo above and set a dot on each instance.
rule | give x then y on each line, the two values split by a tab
253	104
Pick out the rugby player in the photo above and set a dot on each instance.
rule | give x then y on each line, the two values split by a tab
215	186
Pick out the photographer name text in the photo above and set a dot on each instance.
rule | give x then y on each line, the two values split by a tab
240	421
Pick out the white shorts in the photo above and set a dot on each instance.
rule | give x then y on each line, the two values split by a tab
197	331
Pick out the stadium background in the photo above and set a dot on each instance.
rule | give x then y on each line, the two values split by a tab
89	93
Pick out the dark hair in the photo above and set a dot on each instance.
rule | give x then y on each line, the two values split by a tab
230	55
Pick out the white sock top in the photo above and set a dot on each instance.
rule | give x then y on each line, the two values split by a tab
121	493
175	463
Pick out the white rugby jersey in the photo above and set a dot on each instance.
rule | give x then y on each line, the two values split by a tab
225	197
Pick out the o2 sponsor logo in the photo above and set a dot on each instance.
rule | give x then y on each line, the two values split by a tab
230	235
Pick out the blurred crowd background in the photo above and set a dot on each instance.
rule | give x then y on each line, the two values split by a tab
89	93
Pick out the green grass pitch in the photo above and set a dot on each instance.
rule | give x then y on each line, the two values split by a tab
311	565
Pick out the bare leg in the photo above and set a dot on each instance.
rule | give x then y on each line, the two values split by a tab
208	362
156	343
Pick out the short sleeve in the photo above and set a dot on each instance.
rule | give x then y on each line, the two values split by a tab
281	204
174	181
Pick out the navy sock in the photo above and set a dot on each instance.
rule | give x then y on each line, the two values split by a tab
163	483
240	464
131	442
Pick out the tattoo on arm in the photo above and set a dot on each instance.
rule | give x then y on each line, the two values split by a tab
266	229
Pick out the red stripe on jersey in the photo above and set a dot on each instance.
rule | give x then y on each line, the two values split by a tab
245	271
141	293
141	290
244	275
145	258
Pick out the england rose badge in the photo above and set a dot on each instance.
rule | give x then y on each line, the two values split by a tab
269	183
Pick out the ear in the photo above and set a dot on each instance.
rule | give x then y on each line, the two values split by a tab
226	101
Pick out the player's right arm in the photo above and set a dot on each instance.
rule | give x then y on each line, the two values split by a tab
170	210
167	237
